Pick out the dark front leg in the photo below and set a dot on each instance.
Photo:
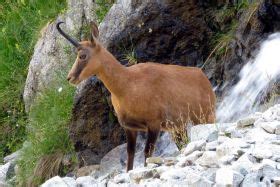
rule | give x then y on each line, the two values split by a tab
150	144
131	143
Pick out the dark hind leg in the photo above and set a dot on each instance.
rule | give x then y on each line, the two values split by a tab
150	144
131	143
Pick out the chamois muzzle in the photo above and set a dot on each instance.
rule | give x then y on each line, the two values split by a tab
71	40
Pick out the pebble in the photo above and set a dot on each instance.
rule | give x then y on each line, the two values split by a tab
154	160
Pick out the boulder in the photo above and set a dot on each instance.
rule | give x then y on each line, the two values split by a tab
208	159
194	146
58	181
227	177
3	171
52	53
86	181
209	132
116	159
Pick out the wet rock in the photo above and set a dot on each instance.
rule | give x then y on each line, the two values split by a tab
194	146
227	177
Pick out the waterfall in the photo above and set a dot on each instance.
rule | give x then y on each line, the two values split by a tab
255	77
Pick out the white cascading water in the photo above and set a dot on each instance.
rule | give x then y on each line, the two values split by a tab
255	77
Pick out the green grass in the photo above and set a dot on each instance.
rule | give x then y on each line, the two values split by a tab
47	129
21	22
103	6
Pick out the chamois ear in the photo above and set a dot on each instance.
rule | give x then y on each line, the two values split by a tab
94	32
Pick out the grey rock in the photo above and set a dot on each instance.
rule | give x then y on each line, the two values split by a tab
262	151
190	159
208	159
229	146
248	121
154	160
244	164
211	146
86	181
271	127
116	159
252	179
174	174
169	161
227	159
142	173
12	157
3	171
227	177
210	174
69	181
122	178
57	181
194	146
259	135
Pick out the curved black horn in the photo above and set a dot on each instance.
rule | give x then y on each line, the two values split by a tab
71	40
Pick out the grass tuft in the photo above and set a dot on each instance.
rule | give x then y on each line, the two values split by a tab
48	138
103	6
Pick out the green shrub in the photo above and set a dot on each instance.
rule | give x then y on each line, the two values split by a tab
21	22
47	131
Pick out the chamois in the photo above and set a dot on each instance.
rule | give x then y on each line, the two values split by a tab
147	97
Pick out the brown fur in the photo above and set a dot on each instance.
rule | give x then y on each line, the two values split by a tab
146	97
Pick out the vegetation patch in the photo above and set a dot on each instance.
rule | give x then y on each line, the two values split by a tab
103	6
20	24
48	138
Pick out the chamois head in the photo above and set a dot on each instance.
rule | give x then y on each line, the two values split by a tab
87	61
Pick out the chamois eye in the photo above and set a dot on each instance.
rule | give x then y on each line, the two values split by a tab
82	57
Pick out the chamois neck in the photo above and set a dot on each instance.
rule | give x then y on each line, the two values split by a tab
112	73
